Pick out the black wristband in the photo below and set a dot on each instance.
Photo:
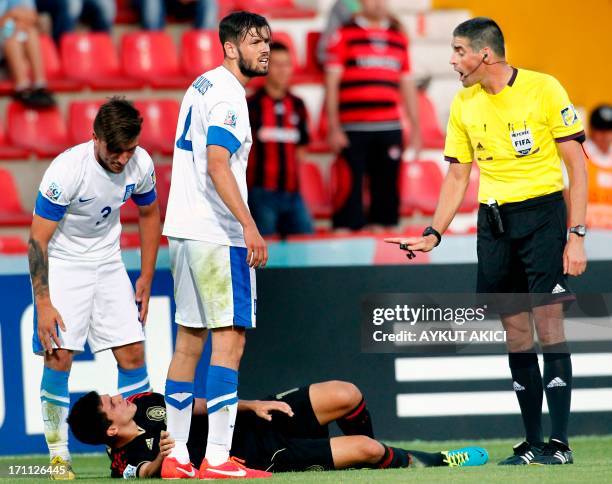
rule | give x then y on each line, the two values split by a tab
431	231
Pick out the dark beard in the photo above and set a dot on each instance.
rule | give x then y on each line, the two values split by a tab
246	70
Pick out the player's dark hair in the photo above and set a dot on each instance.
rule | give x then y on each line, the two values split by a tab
276	46
236	26
482	32
118	123
601	118
88	422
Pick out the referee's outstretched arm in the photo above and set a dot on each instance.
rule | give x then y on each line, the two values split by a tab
574	256
451	195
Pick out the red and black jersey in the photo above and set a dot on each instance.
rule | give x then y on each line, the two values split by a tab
151	417
372	61
279	126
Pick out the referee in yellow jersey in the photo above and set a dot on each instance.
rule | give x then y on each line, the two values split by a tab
516	124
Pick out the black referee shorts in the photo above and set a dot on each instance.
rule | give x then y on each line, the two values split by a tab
527	258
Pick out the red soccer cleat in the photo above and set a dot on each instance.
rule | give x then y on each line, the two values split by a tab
233	468
173	469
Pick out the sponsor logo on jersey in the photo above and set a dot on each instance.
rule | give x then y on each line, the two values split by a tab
156	413
230	118
522	141
149	443
569	115
129	189
153	178
54	192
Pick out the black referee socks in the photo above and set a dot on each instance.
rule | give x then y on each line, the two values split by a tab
357	421
558	386
527	384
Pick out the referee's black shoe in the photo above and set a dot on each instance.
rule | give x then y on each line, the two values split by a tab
554	453
524	453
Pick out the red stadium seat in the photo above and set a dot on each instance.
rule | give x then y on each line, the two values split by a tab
163	174
81	115
312	66
470	201
92	59
420	184
12	244
129	212
159	125
9	152
11	210
433	137
200	52
53	67
41	131
314	191
126	13
151	57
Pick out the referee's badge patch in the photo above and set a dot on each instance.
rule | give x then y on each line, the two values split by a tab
522	141
569	115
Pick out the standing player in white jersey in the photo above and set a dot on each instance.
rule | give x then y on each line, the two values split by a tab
80	285
214	246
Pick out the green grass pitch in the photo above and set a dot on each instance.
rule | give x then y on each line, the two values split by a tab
592	455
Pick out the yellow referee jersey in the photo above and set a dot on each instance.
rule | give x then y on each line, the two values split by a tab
512	135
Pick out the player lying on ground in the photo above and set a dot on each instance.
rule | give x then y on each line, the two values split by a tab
289	432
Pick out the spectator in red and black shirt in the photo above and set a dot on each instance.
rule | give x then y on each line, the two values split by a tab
280	135
367	78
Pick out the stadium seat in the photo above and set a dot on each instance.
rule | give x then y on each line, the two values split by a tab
420	183
151	57
200	52
81	115
159	125
314	191
275	8
470	201
11	210
300	75
12	245
163	174
129	212
9	152
433	137
53	67
312	66
41	131
91	59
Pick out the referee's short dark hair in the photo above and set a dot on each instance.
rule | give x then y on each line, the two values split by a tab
88	422
482	32
235	27
118	123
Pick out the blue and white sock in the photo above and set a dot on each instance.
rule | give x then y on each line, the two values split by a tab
55	402
130	382
179	398
222	405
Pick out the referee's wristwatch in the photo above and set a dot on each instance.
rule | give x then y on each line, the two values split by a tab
579	230
431	231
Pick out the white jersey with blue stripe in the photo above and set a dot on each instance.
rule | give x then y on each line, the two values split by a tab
214	112
85	199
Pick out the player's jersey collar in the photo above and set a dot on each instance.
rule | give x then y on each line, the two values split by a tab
229	74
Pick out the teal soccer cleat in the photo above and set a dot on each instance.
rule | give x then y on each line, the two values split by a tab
466	456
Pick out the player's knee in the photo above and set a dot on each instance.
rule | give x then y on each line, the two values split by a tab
347	394
60	360
371	450
132	357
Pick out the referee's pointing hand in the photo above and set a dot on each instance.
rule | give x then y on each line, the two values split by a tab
422	244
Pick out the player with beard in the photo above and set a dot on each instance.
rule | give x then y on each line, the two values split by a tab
214	245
